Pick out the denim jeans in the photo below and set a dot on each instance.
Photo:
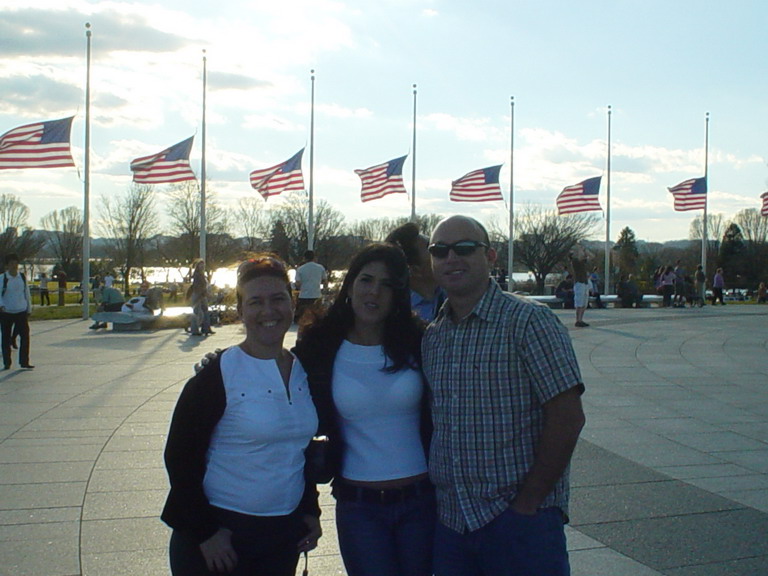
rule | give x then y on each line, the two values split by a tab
511	545
394	539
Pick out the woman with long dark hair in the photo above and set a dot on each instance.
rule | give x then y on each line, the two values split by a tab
363	361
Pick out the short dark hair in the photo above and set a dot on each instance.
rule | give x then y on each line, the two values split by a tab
407	237
259	266
12	257
309	255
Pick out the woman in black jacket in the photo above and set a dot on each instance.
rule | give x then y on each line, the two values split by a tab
239	503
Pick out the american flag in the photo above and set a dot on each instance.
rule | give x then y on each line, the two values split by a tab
690	194
764	210
41	145
478	186
581	197
382	179
170	165
285	177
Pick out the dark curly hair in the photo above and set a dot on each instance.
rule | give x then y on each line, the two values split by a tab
402	330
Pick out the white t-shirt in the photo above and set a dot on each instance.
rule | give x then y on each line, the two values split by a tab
311	276
109	280
256	456
380	415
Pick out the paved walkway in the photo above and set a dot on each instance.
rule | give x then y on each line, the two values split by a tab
671	476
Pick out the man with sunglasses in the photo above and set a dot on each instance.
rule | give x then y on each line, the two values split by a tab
507	413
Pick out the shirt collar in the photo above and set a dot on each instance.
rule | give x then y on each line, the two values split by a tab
486	308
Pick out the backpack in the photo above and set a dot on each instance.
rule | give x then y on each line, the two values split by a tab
5	283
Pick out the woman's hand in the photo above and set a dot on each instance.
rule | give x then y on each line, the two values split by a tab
218	552
309	541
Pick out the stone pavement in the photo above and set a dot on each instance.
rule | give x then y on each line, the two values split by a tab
671	476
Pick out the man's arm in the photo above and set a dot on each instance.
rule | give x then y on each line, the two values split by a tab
563	421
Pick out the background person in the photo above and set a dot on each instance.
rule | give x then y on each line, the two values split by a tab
700	280
239	503
578	260
200	319
111	300
507	412
15	308
718	287
311	278
45	296
363	361
426	296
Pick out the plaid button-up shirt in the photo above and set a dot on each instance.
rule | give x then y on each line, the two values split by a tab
489	376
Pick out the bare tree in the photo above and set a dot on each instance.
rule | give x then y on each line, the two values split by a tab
294	214
13	212
377	229
128	222
543	239
716	227
15	235
66	235
252	221
183	210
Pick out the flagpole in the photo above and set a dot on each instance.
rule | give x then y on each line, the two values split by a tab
202	170
608	215
706	202
86	281
511	247
413	161
311	216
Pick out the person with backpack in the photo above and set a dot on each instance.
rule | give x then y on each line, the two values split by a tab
15	308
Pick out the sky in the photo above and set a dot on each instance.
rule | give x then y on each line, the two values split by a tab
660	65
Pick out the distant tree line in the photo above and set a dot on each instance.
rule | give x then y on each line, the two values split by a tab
129	224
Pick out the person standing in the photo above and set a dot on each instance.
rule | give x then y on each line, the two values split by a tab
681	289
506	407
15	308
311	278
200	322
426	296
594	287
363	365
45	297
700	281
578	258
718	286
109	280
239	501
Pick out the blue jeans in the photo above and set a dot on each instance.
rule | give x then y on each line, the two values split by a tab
394	539
510	545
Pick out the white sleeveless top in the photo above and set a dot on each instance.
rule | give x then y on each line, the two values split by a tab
256	456
379	415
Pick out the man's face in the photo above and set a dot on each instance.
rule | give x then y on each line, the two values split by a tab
461	275
12	266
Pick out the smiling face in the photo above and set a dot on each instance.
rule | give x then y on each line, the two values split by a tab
371	297
266	309
462	277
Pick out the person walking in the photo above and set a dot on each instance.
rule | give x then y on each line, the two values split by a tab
506	405
239	502
718	287
311	278
15	308
363	362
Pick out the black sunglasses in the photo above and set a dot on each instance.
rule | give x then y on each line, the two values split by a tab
461	248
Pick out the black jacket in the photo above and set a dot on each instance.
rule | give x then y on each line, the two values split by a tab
199	408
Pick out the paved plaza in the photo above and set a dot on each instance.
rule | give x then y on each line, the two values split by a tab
670	476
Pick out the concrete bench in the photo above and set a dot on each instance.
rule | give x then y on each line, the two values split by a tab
608	300
127	321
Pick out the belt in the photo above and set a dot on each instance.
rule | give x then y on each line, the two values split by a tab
389	496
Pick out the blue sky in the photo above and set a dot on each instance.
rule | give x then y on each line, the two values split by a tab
660	65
